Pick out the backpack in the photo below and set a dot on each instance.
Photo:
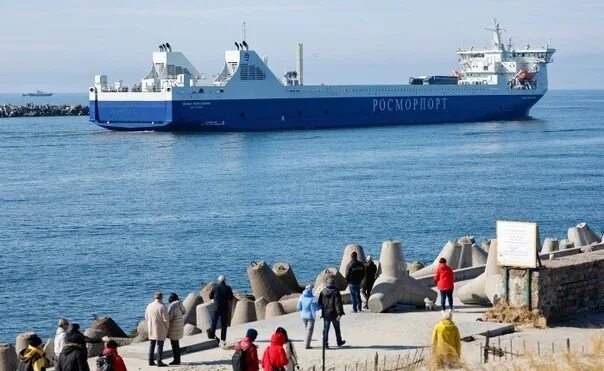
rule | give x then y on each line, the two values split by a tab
104	363
238	359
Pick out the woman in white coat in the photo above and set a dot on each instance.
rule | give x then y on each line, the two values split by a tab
176	315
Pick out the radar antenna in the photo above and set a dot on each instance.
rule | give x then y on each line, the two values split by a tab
497	44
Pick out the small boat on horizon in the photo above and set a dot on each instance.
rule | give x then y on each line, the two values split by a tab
37	93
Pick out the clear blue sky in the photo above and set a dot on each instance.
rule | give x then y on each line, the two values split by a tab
60	45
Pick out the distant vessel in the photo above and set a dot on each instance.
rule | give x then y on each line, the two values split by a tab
37	93
500	83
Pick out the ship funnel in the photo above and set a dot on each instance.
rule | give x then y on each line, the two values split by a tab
161	48
168	47
245	44
300	64
236	45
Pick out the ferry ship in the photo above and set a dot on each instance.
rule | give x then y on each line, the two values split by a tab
37	93
500	83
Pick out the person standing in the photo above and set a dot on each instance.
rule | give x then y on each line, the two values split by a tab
308	307
157	325
444	279
446	342
32	357
60	337
332	310
249	360
355	272
369	279
274	357
222	295
74	335
290	351
74	356
176	315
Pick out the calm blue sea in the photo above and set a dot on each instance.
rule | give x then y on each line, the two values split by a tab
93	221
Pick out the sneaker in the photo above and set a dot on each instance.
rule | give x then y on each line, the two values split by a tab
442	311
161	364
342	343
354	310
151	363
309	347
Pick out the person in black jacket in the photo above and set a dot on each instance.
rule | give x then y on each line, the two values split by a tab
77	337
74	356
222	294
369	280
332	310
355	272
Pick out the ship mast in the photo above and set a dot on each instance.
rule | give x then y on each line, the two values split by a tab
497	44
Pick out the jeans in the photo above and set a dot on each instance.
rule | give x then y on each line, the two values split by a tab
309	326
446	294
175	350
224	323
160	350
336	325
355	295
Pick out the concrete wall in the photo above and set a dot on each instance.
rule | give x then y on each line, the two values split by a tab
562	288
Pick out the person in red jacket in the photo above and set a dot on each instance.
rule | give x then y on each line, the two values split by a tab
111	351
444	283
274	357
250	351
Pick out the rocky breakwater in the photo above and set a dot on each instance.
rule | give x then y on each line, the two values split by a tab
42	110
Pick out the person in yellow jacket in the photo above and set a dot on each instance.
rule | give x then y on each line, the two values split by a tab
446	342
32	357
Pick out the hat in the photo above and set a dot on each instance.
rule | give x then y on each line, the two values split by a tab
34	340
354	255
251	334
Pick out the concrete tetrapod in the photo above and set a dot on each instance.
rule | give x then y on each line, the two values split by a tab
450	252
486	288
274	309
49	348
394	285
8	357
245	312
204	315
94	349
109	327
582	235
549	245
326	274
264	282
190	303
414	266
206	290
260	305
290	303
190	329
348	250
286	275
22	340
461	253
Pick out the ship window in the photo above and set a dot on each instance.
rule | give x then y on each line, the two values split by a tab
251	72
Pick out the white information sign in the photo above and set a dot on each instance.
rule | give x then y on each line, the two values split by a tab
517	244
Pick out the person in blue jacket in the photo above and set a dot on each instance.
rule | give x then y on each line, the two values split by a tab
308	307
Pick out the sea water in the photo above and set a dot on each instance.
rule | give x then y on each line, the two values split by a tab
94	221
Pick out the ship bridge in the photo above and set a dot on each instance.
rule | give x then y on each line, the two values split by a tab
504	64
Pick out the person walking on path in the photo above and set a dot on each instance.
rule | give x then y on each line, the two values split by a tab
332	310
157	325
355	272
446	342
308	307
222	295
74	356
249	361
274	357
369	279
444	279
176	315
290	352
110	351
32	357
60	337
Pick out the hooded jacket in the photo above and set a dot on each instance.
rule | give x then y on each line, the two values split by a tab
308	305
274	355
73	358
444	277
250	354
176	315
330	301
370	273
118	362
355	272
32	356
446	340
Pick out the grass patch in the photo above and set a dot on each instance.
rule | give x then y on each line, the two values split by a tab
502	312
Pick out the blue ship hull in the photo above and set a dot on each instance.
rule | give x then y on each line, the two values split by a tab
306	113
